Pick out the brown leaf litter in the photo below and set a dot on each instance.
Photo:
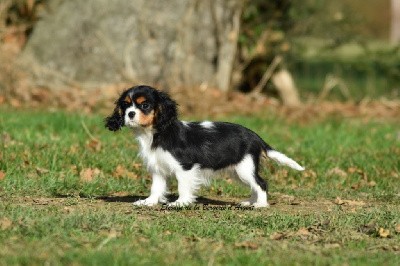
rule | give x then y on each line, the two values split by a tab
247	245
199	102
397	228
121	172
5	223
339	201
384	233
2	175
89	174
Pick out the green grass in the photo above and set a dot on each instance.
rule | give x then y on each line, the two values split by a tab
48	214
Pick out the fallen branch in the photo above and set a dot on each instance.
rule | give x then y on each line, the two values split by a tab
330	83
267	75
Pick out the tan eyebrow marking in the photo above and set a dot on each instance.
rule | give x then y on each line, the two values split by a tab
140	100
128	99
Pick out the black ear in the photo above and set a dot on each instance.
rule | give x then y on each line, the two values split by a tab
166	111
115	121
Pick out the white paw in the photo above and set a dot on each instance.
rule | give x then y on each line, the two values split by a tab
260	205
246	203
163	200
180	203
145	202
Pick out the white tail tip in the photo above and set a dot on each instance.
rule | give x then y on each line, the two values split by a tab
283	159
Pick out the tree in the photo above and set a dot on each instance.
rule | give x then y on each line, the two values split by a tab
165	43
395	25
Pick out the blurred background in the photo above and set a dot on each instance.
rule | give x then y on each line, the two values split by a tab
234	54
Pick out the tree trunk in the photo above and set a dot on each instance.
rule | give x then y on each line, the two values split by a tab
166	43
287	90
395	26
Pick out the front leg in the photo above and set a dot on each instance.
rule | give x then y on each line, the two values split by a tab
188	184
157	193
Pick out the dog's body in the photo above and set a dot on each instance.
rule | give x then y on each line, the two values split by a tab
192	151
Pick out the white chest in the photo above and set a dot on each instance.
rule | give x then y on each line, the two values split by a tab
157	160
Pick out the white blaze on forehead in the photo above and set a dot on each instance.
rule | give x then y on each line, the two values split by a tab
128	120
207	124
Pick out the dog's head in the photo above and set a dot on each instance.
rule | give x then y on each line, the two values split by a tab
142	107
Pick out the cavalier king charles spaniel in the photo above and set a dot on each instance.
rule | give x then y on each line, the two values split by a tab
192	151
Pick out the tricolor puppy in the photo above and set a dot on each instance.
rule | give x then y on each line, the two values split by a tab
191	151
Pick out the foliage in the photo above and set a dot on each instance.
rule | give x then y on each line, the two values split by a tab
368	73
22	12
344	209
311	35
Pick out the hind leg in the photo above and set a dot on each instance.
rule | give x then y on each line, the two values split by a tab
251	200
247	172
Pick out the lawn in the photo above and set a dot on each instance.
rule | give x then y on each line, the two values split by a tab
67	184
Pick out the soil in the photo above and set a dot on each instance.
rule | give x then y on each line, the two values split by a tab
122	203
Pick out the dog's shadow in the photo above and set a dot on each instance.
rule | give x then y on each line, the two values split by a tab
171	198
133	198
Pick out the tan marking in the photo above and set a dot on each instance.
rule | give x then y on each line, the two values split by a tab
146	120
128	99
264	154
140	100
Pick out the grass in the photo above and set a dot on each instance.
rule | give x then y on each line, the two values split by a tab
52	212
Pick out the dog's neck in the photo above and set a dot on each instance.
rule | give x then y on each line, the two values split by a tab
145	137
149	138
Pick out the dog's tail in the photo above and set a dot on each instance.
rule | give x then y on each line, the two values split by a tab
281	158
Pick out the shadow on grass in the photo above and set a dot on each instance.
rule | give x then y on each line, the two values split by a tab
171	198
133	198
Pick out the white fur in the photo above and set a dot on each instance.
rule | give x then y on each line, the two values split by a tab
246	172
185	123
163	164
158	192
188	184
283	159
132	122
158	161
207	124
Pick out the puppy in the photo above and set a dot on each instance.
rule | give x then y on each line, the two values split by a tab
192	151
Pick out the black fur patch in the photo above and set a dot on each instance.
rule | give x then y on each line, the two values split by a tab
215	147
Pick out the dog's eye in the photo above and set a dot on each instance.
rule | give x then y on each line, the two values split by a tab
124	104
145	106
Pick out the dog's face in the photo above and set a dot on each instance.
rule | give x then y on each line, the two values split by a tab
142	107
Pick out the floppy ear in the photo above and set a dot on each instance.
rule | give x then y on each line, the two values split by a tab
115	121
166	111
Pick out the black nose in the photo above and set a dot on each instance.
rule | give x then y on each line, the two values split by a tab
131	114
